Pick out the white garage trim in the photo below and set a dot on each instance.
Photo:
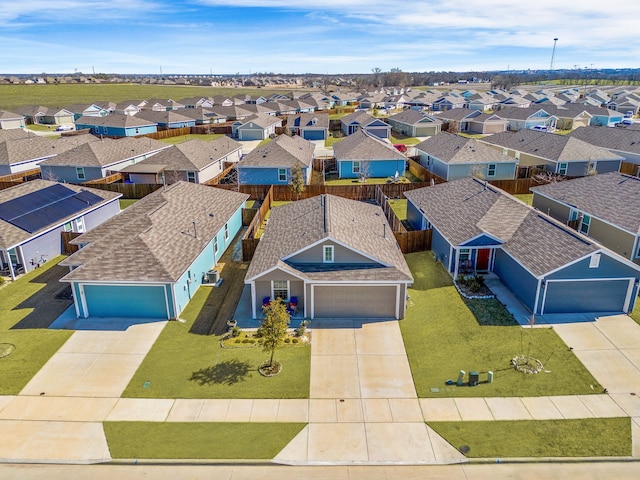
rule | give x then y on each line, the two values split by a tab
627	301
83	298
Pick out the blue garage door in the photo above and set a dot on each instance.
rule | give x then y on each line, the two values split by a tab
583	297
313	135
125	301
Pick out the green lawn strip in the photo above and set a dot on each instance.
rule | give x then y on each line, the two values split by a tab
356	181
442	336
27	307
185	365
399	207
329	141
590	437
159	440
635	314
525	197
403	139
184	138
126	202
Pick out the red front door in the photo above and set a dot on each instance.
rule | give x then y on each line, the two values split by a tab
482	260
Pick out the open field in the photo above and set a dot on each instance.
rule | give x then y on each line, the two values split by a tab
61	95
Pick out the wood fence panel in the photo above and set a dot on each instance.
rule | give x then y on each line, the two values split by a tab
171	132
247	216
67	247
414	241
134	191
629	168
424	174
21	177
9	184
116	177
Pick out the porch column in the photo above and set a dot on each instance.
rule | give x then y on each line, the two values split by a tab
456	264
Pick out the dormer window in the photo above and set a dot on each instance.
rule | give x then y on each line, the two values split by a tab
327	254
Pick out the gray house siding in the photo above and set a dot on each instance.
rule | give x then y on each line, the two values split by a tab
503	171
522	283
42	248
340	254
69	174
96	217
554	209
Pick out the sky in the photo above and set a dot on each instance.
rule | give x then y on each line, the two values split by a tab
314	36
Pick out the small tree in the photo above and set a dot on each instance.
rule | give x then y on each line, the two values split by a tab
297	180
272	332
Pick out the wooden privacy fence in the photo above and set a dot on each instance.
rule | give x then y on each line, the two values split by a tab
171	132
116	177
629	168
67	247
424	174
221	175
134	191
7	181
249	240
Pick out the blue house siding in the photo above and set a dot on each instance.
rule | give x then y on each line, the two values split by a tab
441	249
414	216
503	171
42	248
102	214
608	268
376	168
521	282
266	176
481	241
69	174
119	131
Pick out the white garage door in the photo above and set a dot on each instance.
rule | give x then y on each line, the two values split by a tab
355	302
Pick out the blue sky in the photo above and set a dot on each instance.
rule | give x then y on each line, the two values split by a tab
316	36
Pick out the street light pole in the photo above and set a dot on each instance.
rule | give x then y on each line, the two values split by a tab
553	53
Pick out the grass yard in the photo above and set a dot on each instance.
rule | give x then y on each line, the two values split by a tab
591	437
27	307
398	138
67	94
184	138
222	441
332	180
635	314
442	336
329	141
399	207
43	128
126	202
525	197
185	365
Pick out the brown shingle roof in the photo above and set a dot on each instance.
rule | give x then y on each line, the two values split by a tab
452	149
284	151
361	146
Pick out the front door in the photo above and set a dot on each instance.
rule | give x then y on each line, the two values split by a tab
482	260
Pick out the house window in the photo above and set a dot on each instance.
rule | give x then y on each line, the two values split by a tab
595	261
355	167
80	173
216	249
573	215
79	225
282	174
585	224
491	170
226	231
137	131
562	169
68	227
327	255
465	254
280	289
161	177
104	130
505	151
191	177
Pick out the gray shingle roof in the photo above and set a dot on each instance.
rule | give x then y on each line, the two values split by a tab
460	150
101	153
164	117
193	154
306	120
284	151
360	117
612	197
11	235
154	240
556	148
262	120
358	225
463	209
5	115
114	120
413	117
620	139
362	146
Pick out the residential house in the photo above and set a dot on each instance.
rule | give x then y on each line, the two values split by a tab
203	116
98	159
548	266
362	156
167	119
161	105
25	151
271	163
117	125
452	157
32	114
472	121
128	108
195	161
482	102
523	118
343	99
449	101
310	126
57	116
33	215
560	154
87	110
197	102
336	258
10	120
150	260
256	127
604	117
620	141
604	207
360	120
414	123
570	116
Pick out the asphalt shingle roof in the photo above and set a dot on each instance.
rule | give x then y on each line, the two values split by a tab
157	238
362	146
114	120
284	151
463	209
412	117
612	197
454	149
358	225
620	139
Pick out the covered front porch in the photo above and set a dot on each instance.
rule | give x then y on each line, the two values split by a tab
473	260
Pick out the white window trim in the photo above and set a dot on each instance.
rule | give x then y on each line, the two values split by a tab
216	247
355	167
79	224
282	172
489	168
191	177
562	170
325	249
587	223
80	173
226	231
594	262
273	289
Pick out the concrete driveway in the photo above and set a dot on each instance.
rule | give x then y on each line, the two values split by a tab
363	407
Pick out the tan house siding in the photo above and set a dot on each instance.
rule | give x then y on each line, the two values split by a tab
613	238
554	209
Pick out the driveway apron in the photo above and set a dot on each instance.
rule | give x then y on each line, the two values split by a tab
363	407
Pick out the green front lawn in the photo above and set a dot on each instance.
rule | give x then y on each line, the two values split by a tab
525	197
27	307
442	336
329	141
228	441
184	138
398	138
186	365
126	202
590	437
399	207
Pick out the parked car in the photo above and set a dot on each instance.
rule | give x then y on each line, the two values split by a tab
64	128
539	128
400	147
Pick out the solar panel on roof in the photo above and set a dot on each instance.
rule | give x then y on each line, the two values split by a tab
35	212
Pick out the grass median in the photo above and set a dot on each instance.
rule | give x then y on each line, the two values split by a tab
224	441
443	336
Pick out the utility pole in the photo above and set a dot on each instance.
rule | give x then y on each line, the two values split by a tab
553	53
